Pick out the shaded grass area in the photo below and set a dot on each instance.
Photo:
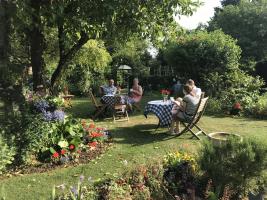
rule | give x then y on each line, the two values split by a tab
135	143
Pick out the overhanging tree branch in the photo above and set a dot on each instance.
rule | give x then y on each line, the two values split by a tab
65	58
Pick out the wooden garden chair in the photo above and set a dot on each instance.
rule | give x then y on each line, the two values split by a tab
189	125
119	110
99	107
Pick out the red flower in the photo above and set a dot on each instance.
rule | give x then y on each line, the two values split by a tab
165	92
62	152
95	134
56	155
92	144
91	126
72	147
99	129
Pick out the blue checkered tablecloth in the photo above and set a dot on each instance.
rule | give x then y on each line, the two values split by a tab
161	109
110	99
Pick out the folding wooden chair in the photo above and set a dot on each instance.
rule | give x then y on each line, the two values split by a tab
99	107
119	110
189	125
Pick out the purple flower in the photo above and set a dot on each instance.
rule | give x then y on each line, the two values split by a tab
48	116
64	159
58	115
81	178
74	191
41	105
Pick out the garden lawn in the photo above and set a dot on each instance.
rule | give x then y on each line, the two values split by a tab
135	143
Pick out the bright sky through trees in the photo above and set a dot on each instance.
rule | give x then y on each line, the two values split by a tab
202	15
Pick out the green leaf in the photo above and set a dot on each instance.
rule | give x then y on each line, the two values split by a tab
52	150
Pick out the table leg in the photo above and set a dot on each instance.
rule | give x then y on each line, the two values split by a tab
157	127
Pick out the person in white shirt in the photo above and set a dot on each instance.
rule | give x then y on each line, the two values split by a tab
197	91
109	89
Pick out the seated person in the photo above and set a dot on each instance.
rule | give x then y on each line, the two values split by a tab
183	109
136	92
197	91
109	89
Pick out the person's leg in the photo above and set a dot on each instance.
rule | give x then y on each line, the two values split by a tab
177	128
172	126
180	117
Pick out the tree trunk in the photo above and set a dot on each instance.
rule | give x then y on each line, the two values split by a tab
4	61
66	57
36	45
4	44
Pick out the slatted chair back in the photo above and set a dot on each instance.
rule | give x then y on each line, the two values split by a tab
92	97
189	125
200	109
117	102
119	110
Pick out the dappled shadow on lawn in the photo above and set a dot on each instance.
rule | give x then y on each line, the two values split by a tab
142	134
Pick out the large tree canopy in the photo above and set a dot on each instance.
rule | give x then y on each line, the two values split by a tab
212	59
245	22
77	21
200	53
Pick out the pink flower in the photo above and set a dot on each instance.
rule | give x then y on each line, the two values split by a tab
72	147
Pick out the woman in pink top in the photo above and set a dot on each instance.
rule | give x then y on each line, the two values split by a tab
136	92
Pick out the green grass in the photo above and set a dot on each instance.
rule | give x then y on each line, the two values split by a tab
134	141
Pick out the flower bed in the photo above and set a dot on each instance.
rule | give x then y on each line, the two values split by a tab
182	176
50	139
70	148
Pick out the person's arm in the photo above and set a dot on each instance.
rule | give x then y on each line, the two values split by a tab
177	103
185	100
115	91
139	91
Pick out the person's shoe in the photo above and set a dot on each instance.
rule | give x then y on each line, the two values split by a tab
176	131
172	133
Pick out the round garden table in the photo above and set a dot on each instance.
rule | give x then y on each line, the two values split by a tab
161	109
